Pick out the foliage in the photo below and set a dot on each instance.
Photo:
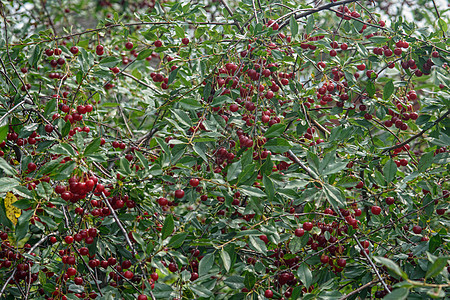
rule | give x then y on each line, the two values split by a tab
224	150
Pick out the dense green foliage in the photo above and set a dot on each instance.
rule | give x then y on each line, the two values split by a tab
224	150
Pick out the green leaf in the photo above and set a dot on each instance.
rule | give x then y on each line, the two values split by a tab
3	132
199	149
258	245
435	242
206	264
278	145
305	274
310	24
65	171
92	147
388	90
391	266
35	56
425	161
177	240
22	224
7	183
4	220
109	61
437	267
226	260
10	171
144	54
397	294
234	170
294	26
235	282
172	76
167	227
370	88
442	25
275	130
334	196
65	130
249	280
252	191
389	170
268	187
125	166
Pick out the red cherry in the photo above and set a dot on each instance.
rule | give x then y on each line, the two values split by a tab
129	45
268	294
417	229
179	194
390	200
308	226
142	297
68	239
299	232
163	201
74	50
194	182
341	262
185	41
376	210
31	167
158	43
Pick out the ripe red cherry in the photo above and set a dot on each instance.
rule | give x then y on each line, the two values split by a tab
163	201
324	258
376	210
129	45
31	167
341	262
194	276
308	226
158	43
68	239
194	182
179	194
71	271
154	276
74	50
128	274
268	294
390	200
173	267
185	41
142	297
299	232
264	238
417	229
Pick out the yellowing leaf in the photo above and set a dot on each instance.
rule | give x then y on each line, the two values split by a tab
12	212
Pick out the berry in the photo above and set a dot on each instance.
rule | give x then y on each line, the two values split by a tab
299	232
194	182
158	43
417	229
308	226
179	194
185	41
376	210
129	45
268	294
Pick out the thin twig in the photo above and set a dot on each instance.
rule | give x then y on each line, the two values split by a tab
119	224
359	289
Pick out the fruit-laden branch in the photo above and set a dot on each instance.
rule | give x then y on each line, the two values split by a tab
119	224
28	252
368	258
317	9
419	134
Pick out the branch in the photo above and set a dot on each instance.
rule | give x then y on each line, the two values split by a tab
359	289
417	135
119	224
317	9
307	170
368	258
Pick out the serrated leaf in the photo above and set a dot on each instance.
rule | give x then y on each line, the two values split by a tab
3	132
252	191
397	294
278	145
275	130
370	88
177	240
22	225
305	274
258	245
7	183
437	267
109	61
92	147
268	187
294	26
425	161
172	76
310	24
167	227
10	171
234	170
206	264
391	266
226	260
388	90
144	54
389	170
334	196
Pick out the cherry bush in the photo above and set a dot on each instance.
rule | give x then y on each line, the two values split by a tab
224	149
